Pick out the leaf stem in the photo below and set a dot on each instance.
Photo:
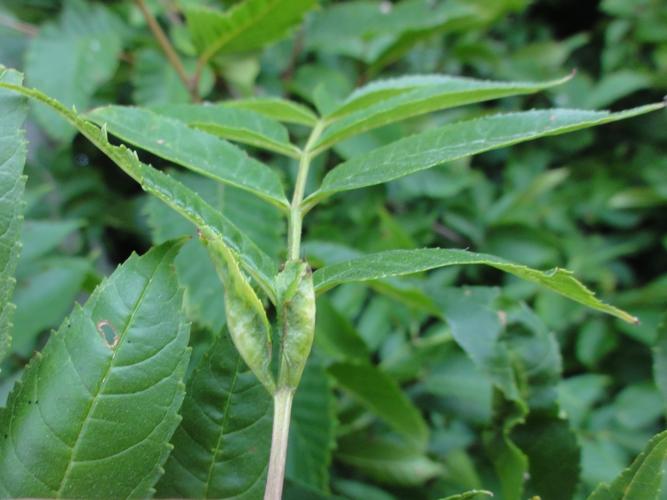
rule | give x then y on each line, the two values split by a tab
282	409
296	211
168	49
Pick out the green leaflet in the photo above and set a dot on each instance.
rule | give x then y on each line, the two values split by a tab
432	19
383	396
13	110
46	282
277	108
336	336
73	56
553	455
221	447
375	32
235	124
247	26
377	91
642	480
521	357
400	98
196	150
545	434
510	463
387	461
312	429
473	319
458	140
247	322
42	236
171	192
49	286
95	410
322	253
401	262
357	490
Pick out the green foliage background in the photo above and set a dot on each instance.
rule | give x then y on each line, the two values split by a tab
423	387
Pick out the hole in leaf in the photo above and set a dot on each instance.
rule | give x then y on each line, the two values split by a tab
108	334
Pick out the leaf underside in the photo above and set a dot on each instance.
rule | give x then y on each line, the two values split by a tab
401	262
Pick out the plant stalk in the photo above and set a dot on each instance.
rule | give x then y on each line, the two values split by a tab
296	213
282	410
169	51
282	398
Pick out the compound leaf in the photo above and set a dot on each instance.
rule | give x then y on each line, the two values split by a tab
95	410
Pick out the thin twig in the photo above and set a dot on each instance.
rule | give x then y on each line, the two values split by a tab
201	64
15	24
282	411
297	48
169	51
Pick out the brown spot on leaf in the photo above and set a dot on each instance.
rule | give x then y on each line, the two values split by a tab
108	333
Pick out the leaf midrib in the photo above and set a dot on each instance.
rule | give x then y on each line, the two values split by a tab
105	379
